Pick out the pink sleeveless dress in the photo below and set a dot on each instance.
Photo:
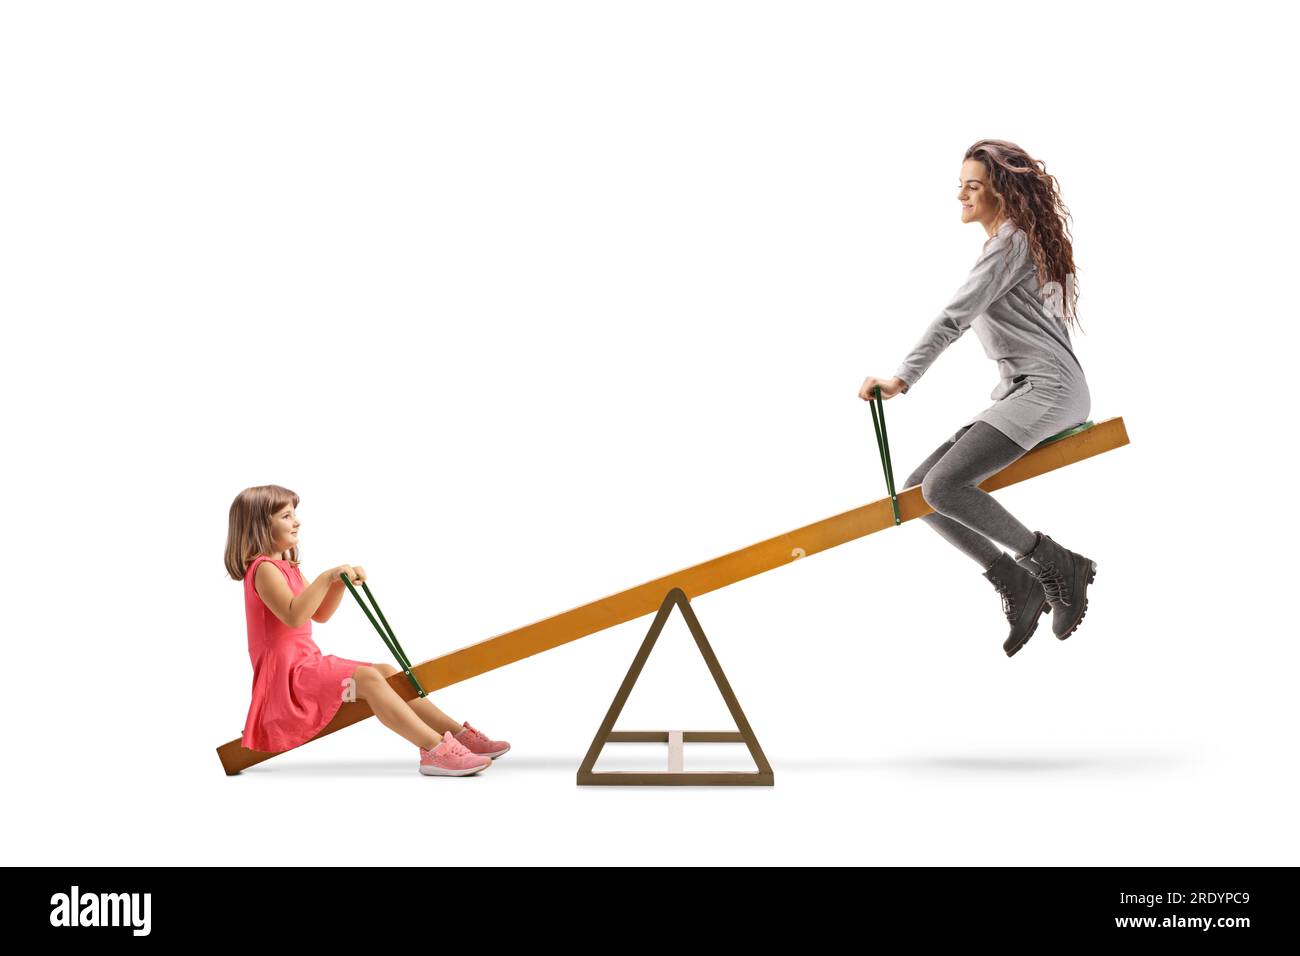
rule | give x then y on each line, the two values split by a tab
296	691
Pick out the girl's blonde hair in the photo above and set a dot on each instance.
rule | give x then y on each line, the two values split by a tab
250	526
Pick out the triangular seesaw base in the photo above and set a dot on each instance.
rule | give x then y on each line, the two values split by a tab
675	776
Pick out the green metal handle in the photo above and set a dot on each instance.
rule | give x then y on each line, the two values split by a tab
882	439
389	638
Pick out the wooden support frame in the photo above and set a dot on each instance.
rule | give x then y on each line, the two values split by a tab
675	775
515	645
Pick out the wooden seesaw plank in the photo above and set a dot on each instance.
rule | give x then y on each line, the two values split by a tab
698	579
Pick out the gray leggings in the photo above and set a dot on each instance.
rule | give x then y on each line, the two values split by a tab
965	515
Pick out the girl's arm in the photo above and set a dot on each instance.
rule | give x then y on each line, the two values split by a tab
292	610
331	602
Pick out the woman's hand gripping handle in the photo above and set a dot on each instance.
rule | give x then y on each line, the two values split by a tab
889	387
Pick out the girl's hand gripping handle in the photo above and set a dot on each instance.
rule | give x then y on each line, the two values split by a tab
355	572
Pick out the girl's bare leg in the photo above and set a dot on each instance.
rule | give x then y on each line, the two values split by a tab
431	715
424	708
392	711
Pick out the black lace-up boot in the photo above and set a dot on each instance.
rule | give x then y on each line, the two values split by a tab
1065	577
1023	599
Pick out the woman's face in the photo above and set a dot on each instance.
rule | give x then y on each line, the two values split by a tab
978	204
284	529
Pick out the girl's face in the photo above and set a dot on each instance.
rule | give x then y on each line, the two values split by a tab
284	528
978	204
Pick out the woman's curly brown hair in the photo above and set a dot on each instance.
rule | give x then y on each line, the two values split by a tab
1030	197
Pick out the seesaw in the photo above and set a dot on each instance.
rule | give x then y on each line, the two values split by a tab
1071	446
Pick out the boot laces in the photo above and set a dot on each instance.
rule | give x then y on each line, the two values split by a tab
1053	581
1008	603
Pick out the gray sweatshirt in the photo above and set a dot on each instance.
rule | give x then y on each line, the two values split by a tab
1042	389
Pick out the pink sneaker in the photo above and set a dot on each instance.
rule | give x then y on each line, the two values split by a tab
480	743
450	759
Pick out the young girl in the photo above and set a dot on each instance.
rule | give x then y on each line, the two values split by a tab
296	691
1022	326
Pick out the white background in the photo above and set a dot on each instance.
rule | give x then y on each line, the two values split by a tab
533	302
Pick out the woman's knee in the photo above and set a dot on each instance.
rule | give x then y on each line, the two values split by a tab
916	477
937	488
929	488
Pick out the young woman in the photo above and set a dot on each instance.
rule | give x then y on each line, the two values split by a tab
1014	298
